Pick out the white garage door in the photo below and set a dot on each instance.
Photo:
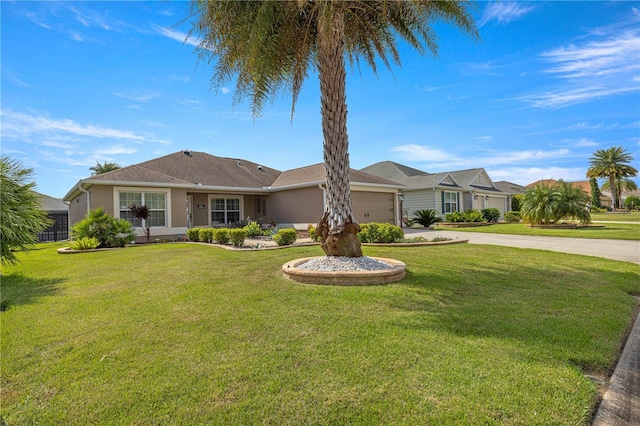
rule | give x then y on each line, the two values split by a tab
373	206
497	203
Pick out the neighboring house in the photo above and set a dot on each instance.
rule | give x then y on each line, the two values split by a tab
605	197
58	211
510	189
195	189
444	192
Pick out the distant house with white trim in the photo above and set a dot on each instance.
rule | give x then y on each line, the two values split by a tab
443	192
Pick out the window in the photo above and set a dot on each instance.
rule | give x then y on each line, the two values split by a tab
449	202
225	210
156	201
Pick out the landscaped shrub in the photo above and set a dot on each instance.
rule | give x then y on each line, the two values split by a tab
512	217
102	226
425	217
86	243
221	235
515	202
253	229
595	209
491	214
193	234
237	236
632	202
473	216
285	237
545	204
454	217
205	235
123	233
380	233
312	232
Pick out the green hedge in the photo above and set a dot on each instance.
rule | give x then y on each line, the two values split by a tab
285	237
380	233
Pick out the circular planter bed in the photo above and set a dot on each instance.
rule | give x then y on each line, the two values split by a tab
397	272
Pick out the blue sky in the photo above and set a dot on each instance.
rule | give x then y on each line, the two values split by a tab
548	84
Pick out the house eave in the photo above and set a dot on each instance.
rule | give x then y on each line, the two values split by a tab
322	182
193	186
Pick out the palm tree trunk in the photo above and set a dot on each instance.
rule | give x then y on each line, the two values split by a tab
614	193
338	227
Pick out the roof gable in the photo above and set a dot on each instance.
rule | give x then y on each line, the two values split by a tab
315	174
393	171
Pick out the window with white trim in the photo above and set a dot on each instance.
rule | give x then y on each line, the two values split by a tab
225	210
156	201
450	202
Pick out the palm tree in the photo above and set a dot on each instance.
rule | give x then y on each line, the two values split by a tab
612	163
21	215
270	46
621	184
105	167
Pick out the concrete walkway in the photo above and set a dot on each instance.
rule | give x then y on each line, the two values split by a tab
625	250
620	405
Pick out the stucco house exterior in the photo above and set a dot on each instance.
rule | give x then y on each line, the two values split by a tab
444	192
194	189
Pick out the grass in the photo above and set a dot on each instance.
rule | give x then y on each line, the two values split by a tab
631	217
189	334
612	231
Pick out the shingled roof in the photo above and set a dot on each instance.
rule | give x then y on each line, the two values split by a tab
190	167
315	174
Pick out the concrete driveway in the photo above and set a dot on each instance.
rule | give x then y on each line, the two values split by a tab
625	250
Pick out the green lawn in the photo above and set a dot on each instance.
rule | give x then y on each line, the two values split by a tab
612	231
190	334
631	217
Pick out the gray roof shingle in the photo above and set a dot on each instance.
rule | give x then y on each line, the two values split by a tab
191	167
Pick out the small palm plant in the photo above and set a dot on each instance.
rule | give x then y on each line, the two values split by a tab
546	204
425	217
142	214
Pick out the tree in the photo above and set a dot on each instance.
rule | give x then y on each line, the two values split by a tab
632	202
142	213
21	216
546	204
270	46
611	163
595	192
105	167
621	184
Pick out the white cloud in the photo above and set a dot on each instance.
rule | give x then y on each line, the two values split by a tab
526	175
414	152
504	12
438	160
175	35
564	98
142	97
486	138
607	65
225	90
578	143
59	133
614	56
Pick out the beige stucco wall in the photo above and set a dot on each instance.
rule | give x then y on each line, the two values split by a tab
77	209
102	196
178	207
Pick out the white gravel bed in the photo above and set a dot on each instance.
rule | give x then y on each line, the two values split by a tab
344	264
